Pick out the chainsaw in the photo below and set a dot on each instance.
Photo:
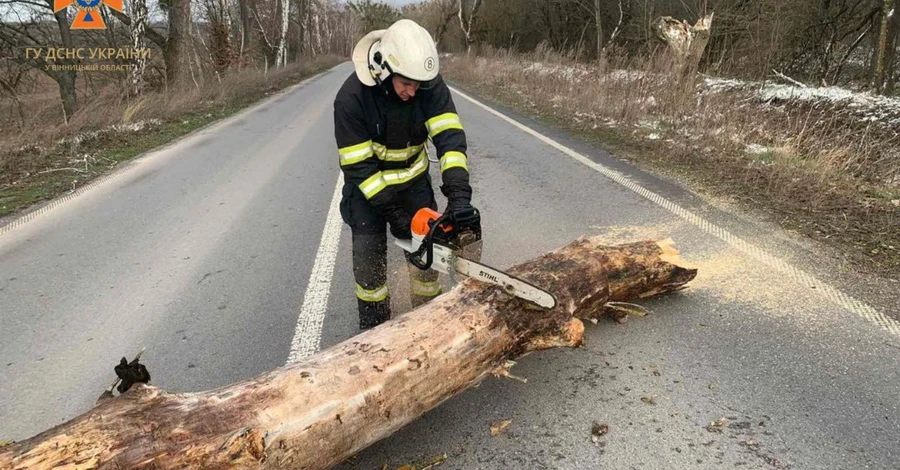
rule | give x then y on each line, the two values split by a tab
444	242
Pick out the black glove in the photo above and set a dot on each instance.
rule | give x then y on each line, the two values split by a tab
459	196
464	215
458	205
400	222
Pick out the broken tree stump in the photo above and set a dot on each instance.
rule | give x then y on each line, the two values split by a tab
686	43
317	412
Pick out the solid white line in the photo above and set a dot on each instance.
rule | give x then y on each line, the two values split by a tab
315	301
863	310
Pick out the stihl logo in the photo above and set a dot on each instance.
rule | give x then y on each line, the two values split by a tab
484	274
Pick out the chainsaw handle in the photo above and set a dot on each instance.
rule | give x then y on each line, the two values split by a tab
427	246
414	259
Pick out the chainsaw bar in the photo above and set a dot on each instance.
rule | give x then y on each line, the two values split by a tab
510	284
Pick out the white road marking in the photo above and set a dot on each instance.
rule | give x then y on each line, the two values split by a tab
860	308
315	301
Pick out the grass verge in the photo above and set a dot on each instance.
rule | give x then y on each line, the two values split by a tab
815	168
50	161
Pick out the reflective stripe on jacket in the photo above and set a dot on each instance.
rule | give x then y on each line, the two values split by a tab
381	140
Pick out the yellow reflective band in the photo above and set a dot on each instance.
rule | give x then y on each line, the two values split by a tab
441	123
355	153
373	185
395	155
453	160
402	176
425	288
373	295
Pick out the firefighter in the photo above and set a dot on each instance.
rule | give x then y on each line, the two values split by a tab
384	114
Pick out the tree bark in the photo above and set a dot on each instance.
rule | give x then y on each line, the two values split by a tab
65	79
177	54
323	409
891	63
598	20
138	29
281	53
884	46
246	26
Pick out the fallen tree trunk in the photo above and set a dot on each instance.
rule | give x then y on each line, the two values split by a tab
322	410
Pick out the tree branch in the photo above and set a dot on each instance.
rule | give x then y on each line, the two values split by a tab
151	34
850	50
42	64
26	2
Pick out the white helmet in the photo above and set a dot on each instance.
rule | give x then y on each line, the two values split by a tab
405	48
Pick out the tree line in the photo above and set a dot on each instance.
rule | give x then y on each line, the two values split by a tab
821	42
818	42
192	41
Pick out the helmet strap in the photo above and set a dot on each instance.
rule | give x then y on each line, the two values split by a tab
376	72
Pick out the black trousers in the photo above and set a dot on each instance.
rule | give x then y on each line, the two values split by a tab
369	230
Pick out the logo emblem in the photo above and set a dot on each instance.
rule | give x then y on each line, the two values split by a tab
429	64
88	15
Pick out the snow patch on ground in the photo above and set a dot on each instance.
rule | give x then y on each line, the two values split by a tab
869	107
626	75
582	115
136	126
645	124
723	84
567	72
756	149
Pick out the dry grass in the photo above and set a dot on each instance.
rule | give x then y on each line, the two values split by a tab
45	157
818	167
111	107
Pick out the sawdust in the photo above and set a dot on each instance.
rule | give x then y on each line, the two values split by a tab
732	277
616	234
727	275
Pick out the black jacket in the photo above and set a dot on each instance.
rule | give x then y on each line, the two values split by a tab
381	140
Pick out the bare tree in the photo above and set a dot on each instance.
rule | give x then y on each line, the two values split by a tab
468	24
138	31
20	33
246	26
218	24
598	21
66	78
10	83
884	47
176	53
281	52
617	29
447	11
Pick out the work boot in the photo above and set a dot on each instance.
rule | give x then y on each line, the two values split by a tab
372	314
423	285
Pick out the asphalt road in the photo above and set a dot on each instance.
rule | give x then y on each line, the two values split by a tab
202	253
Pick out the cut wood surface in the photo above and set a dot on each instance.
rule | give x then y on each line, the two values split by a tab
317	412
